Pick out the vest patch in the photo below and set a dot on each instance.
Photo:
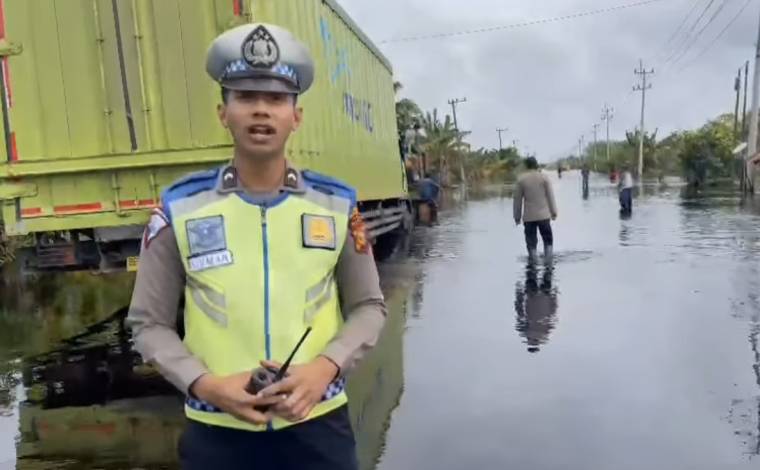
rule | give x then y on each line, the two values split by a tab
211	260
207	243
206	235
319	231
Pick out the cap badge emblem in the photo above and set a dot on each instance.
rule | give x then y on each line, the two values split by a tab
260	49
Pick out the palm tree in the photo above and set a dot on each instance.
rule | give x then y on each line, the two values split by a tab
443	143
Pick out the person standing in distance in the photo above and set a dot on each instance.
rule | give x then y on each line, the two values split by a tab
535	207
625	188
262	252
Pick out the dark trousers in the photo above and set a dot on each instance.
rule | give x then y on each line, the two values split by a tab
531	237
626	200
324	443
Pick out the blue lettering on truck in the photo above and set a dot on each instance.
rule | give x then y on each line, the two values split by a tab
360	111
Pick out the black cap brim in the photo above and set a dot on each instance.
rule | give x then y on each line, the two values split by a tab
268	85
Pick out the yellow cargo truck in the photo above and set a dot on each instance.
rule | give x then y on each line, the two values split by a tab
106	102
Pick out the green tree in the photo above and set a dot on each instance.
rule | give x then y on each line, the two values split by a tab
408	113
707	152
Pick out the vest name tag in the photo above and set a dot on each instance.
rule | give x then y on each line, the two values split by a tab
210	260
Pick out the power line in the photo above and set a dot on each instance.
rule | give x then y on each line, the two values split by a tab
685	41
683	23
701	31
525	24
717	38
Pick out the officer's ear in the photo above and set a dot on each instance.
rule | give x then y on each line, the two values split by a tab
297	113
221	111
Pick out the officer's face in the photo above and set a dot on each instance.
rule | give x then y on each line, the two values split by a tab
260	122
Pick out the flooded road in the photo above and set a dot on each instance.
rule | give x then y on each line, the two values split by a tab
638	350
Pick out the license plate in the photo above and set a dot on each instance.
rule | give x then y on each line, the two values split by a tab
132	262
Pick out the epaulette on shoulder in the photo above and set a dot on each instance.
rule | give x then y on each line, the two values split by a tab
329	185
188	186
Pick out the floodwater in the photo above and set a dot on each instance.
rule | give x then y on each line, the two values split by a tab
638	349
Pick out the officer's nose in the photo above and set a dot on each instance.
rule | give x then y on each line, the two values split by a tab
260	107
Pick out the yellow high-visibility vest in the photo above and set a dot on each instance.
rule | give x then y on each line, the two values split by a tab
258	275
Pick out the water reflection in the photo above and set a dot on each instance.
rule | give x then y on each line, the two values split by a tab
90	402
536	304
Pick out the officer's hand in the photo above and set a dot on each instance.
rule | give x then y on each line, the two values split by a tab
305	386
229	395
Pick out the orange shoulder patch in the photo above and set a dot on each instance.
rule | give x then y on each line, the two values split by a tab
359	232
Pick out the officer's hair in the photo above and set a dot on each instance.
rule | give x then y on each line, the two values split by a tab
226	96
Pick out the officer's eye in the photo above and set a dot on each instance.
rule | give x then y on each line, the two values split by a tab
277	98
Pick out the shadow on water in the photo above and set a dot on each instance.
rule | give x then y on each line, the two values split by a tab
536	305
77	396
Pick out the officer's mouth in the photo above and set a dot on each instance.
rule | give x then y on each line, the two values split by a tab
261	132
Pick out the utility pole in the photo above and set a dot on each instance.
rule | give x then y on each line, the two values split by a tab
744	112
642	87
596	141
607	115
454	104
580	149
752	142
738	90
500	142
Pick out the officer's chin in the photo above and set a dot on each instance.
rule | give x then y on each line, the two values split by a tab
262	152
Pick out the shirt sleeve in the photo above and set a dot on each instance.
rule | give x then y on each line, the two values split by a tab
550	197
518	202
362	303
154	309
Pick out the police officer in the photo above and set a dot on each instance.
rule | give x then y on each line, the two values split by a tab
262	251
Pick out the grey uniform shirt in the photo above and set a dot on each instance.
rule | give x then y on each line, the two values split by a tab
160	284
533	191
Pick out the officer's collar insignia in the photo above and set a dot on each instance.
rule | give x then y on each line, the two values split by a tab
260	49
229	178
291	179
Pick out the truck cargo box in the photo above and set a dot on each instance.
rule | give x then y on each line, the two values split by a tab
106	102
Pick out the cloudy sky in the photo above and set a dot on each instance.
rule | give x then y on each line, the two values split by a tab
548	83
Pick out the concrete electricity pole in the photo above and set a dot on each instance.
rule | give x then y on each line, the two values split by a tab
500	142
744	112
580	148
642	87
454	104
607	115
752	142
596	140
738	90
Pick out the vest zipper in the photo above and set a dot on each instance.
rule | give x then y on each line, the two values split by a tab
265	240
265	243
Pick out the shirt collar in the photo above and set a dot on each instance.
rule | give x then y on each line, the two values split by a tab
228	181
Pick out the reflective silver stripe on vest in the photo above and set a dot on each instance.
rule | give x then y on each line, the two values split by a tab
333	203
186	205
200	292
212	294
310	312
315	291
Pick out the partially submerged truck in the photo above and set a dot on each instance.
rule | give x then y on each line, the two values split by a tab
106	102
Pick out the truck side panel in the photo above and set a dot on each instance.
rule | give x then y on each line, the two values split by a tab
115	104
